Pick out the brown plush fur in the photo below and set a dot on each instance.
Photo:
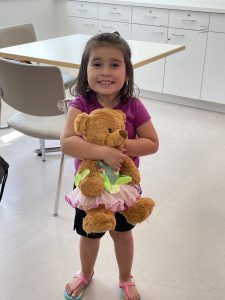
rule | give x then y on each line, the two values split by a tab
106	126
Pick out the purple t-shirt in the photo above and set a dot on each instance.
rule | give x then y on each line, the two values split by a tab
135	111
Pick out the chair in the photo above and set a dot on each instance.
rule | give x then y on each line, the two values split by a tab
37	93
22	34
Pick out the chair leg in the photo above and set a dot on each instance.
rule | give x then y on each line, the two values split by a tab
42	146
2	126
59	185
39	151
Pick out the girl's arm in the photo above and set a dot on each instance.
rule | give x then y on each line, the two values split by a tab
146	143
75	146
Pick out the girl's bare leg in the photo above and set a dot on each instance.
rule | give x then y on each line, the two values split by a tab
124	250
88	254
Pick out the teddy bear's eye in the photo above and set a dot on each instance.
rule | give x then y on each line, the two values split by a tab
110	130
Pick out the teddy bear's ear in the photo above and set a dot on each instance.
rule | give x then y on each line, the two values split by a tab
80	123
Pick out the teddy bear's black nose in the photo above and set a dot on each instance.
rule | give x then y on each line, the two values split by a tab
123	133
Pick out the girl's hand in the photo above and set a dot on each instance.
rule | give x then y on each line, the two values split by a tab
112	157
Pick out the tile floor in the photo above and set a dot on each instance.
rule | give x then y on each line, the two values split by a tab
180	250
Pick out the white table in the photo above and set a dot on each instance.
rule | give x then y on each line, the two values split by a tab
66	51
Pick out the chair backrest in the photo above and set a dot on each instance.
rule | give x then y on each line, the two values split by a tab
16	35
31	89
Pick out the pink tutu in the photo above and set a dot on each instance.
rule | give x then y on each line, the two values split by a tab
126	197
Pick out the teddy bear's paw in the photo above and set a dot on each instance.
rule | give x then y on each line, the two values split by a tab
92	186
99	220
140	211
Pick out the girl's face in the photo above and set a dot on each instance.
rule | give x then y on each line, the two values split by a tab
106	71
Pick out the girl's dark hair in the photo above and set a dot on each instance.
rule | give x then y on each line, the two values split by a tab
80	85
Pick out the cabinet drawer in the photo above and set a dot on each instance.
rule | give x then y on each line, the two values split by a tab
82	9
217	22
149	33
150	16
188	20
120	13
124	29
82	25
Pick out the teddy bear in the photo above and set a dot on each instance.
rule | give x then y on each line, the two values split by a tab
102	191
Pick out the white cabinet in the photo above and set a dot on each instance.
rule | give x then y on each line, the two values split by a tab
82	25
82	17
115	18
188	20
150	24
82	9
183	71
117	13
150	16
150	77
92	17
198	72
123	28
213	85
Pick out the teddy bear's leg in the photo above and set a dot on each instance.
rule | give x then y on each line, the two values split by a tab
92	185
140	211
99	220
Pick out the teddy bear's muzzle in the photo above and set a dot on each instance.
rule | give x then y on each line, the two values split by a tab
116	138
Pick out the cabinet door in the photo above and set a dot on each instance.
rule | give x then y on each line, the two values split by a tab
183	70
213	86
118	13
150	77
81	25
123	28
150	16
82	9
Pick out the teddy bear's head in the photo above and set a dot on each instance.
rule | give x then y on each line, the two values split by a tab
103	126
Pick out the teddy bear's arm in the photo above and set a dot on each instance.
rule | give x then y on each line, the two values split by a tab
129	168
92	185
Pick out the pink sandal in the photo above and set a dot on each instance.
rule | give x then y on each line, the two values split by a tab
81	280
125	285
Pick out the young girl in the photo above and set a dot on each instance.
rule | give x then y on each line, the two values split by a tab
105	79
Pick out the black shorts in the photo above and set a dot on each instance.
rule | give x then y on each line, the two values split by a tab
121	224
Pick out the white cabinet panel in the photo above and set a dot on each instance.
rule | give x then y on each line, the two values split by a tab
188	20
81	25
213	86
183	71
150	77
150	16
82	9
123	28
217	22
119	13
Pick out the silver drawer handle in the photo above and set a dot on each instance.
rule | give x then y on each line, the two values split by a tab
83	10
189	20
106	26
152	17
158	32
114	13
180	35
89	25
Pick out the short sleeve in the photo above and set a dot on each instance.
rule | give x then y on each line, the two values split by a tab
78	103
141	113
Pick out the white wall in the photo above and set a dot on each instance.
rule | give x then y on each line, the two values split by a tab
42	13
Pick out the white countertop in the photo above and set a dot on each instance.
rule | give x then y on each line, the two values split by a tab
194	5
